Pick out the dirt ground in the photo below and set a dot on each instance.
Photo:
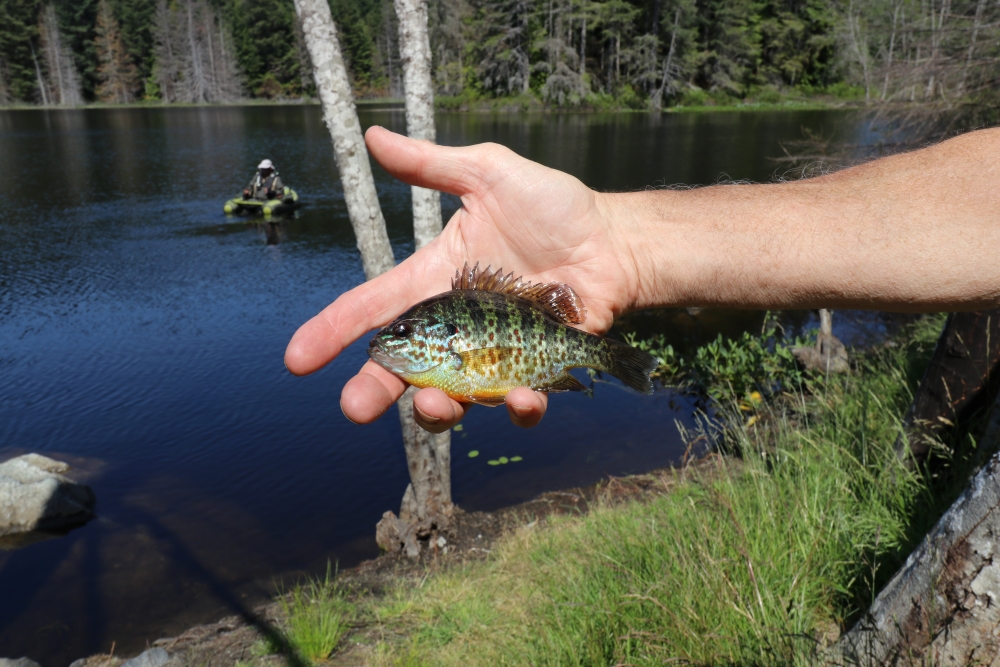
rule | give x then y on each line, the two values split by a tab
239	638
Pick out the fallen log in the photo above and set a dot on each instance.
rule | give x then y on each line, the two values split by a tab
943	606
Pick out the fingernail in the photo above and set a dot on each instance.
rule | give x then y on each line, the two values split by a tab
521	410
426	417
346	417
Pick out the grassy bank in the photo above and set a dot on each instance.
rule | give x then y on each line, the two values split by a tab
758	557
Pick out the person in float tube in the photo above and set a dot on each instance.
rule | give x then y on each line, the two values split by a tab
265	184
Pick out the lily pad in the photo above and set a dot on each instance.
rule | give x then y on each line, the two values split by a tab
515	459
493	462
474	453
503	459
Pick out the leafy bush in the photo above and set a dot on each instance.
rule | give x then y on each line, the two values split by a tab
731	370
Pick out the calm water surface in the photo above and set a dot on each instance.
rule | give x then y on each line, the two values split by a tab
142	334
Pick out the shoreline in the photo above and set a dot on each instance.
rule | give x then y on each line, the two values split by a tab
480	106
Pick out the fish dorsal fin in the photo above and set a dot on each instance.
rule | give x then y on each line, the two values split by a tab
558	299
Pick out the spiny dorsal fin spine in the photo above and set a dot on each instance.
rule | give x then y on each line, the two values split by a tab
558	299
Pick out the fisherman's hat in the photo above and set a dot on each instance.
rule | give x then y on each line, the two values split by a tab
265	164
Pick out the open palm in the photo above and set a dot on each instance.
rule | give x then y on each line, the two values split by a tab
516	214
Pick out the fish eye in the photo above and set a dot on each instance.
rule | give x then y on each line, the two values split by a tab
402	330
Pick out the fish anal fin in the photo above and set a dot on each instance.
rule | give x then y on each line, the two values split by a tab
564	382
485	357
486	402
558	299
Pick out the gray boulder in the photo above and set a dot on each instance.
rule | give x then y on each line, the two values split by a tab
20	662
154	657
34	495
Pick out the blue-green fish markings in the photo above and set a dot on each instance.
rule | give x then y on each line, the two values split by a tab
492	333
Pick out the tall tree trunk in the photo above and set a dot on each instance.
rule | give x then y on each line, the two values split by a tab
658	98
418	90
38	73
976	23
341	118
583	46
892	44
426	505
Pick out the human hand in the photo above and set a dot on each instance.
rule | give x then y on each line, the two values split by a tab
516	214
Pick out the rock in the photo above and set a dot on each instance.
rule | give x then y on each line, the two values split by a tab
154	657
35	496
20	662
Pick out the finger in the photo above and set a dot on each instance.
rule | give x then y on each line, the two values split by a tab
458	171
371	392
366	307
435	411
526	407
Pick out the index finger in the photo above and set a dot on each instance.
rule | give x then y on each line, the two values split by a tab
368	306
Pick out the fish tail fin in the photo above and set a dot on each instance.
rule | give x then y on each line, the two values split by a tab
630	365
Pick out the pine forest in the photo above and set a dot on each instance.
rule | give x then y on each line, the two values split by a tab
561	53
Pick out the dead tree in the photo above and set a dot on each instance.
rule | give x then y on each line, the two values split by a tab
426	508
418	515
64	80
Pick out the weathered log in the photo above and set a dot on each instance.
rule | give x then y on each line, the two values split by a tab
963	378
943	606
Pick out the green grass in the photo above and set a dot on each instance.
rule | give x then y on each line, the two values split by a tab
760	557
750	561
316	617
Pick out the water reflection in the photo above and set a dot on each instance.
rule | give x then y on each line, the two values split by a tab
142	334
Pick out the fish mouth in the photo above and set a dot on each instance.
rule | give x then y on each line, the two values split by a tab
393	363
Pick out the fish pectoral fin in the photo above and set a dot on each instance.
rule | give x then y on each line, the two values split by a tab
564	382
485	357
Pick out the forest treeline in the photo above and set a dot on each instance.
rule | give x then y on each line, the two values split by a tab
635	53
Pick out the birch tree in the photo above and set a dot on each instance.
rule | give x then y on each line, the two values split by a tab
341	117
427	503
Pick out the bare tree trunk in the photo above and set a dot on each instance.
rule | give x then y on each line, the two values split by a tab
658	98
583	46
976	23
38	73
418	90
892	44
341	117
426	505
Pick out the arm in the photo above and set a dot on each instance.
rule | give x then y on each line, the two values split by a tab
277	187
912	232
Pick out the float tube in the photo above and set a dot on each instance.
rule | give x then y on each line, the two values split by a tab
286	204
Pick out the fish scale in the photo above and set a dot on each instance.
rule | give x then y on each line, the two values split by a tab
493	334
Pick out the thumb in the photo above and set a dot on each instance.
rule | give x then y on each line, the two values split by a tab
457	171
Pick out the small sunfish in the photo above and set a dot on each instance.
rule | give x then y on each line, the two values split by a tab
492	333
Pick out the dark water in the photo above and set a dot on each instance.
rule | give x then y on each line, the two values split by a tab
142	334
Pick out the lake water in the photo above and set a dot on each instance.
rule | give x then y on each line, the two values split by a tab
142	334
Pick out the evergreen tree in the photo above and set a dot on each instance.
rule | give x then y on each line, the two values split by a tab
17	67
265	44
118	79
